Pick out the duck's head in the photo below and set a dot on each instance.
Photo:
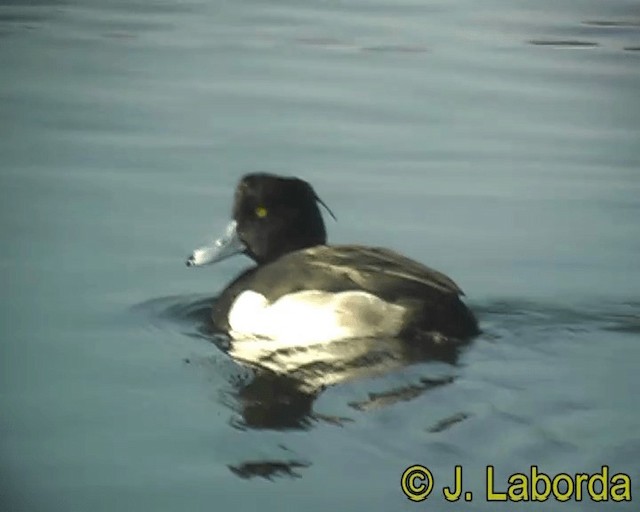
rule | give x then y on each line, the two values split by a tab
272	215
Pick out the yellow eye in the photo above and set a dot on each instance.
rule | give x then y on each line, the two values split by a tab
261	212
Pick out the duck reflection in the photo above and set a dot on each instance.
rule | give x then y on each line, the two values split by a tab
286	382
282	385
268	469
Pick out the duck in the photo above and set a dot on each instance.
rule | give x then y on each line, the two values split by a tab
303	291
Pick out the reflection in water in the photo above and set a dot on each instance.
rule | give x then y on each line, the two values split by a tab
613	23
590	34
563	43
284	399
448	422
268	469
287	381
283	384
272	401
404	394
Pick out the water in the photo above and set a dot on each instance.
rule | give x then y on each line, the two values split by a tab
497	142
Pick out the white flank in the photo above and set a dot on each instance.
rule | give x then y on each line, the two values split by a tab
311	317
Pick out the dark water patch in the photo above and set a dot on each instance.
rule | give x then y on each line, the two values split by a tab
613	23
448	422
563	43
617	33
21	17
624	324
272	402
394	48
267	401
403	394
337	421
268	469
612	34
511	417
632	48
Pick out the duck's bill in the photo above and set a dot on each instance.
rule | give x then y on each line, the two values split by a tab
224	247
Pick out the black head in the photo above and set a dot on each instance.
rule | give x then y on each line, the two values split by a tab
276	215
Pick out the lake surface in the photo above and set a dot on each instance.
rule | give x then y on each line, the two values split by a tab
496	141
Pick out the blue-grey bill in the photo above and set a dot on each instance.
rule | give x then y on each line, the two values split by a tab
224	247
